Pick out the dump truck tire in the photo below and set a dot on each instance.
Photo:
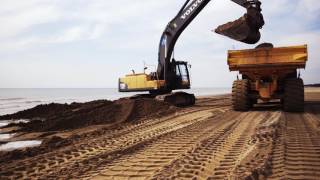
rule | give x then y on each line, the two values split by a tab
293	100
240	95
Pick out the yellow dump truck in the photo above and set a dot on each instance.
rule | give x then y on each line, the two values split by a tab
268	73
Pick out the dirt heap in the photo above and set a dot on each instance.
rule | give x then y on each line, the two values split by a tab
55	117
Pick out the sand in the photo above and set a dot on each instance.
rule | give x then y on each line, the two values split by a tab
154	140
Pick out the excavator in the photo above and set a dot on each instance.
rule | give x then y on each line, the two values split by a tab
174	75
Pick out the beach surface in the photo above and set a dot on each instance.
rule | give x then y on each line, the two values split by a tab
147	139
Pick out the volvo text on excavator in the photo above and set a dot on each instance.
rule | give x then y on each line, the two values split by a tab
174	75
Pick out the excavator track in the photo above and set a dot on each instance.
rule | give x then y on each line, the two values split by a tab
180	99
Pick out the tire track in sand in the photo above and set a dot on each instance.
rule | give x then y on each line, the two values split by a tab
216	156
146	162
48	164
255	162
297	151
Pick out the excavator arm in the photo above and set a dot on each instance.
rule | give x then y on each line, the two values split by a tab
245	29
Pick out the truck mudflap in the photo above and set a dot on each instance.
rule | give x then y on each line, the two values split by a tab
245	29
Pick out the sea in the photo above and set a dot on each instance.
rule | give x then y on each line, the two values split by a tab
14	100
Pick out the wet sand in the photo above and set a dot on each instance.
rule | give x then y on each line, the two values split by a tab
206	141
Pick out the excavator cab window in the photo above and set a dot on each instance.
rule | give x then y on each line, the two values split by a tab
184	72
182	75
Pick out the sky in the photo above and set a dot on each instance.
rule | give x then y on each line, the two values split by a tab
90	44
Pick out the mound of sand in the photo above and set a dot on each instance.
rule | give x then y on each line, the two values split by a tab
56	117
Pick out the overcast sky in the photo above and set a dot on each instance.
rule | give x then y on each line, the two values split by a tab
90	43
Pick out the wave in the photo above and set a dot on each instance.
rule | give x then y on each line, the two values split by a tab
11	99
30	102
11	103
10	107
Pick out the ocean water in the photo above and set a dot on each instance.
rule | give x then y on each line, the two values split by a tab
14	100
19	144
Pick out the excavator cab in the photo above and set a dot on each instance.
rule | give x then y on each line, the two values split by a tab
182	76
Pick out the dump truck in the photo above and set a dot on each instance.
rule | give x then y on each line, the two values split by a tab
268	73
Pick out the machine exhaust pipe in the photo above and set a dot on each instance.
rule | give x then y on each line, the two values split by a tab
245	29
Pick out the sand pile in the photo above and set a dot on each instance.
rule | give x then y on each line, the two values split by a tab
55	117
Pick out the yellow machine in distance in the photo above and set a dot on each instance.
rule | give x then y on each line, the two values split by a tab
136	82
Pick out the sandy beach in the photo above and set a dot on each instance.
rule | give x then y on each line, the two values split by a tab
147	139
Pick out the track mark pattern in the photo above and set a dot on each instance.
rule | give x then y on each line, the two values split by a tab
145	163
217	155
256	163
48	165
297	151
207	141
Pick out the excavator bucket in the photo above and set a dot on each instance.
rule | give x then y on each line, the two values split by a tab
245	29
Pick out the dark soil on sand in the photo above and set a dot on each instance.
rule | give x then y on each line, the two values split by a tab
53	118
57	117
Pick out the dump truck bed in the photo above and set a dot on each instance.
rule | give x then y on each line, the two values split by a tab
294	57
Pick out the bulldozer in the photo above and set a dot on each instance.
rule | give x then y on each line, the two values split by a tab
174	75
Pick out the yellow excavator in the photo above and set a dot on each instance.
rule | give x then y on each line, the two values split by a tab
174	75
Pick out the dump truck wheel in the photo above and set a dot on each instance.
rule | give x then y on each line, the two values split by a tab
240	95
293	100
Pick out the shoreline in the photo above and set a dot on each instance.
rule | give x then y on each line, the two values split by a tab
307	90
20	130
14	100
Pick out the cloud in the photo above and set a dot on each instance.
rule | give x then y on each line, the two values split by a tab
112	37
16	18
